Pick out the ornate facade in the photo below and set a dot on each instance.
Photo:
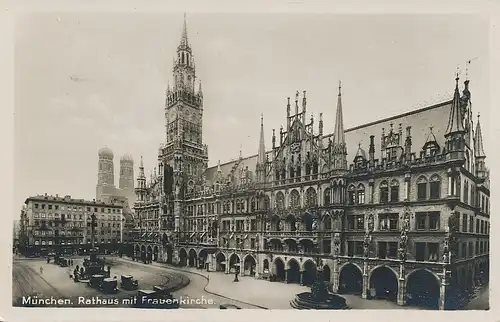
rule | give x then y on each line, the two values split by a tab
62	225
409	219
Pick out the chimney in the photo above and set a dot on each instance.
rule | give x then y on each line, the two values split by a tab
371	151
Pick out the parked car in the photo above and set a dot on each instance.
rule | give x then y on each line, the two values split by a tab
109	285
128	282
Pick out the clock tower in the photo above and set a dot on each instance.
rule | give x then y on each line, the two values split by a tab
183	155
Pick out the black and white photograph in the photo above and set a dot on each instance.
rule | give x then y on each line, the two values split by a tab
262	160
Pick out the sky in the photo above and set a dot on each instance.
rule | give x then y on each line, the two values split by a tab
85	81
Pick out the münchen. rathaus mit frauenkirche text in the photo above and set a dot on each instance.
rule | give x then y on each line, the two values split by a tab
409	211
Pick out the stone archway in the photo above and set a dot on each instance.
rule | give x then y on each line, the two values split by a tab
293	271
220	262
383	283
326	273
280	269
192	258
202	257
149	254
137	252
310	272
170	252
422	289
249	265
265	264
350	279
155	253
234	263
182	257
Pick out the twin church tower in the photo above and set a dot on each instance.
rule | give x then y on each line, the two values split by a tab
106	189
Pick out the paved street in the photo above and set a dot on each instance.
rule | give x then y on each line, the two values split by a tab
217	286
481	301
271	295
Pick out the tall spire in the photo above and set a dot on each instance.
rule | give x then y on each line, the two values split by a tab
184	36
141	169
455	120
339	147
338	133
478	140
261	158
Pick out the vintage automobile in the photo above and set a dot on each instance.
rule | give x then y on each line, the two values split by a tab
128	282
96	280
106	285
63	262
157	298
109	285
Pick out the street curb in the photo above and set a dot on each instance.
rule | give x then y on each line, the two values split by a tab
208	282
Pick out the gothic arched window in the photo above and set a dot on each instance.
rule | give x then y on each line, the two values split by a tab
351	195
327	197
311	197
361	194
280	200
394	191
435	187
294	199
384	192
422	188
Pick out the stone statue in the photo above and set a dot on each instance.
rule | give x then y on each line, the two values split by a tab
371	223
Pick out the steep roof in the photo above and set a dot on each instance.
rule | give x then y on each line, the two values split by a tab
436	116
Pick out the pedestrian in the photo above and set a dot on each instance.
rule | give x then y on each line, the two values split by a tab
41	269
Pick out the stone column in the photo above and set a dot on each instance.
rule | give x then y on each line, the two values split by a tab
227	267
402	285
257	266
407	186
286	276
335	275
443	292
365	280
370	190
450	184
301	277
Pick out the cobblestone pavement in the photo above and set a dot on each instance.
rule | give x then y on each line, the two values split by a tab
271	295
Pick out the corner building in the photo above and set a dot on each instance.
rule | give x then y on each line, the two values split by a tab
62	225
405	217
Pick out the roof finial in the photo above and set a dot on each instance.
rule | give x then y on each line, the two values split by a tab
457	74
340	87
431	127
184	40
261	119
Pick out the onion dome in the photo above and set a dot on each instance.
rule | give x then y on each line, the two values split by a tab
127	157
106	152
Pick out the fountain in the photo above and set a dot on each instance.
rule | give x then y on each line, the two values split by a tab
93	265
319	298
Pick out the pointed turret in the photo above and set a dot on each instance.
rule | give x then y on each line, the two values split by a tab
455	124
261	157
339	146
455	132
184	35
338	133
140	190
481	169
200	90
478	140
